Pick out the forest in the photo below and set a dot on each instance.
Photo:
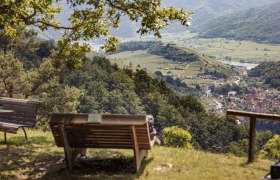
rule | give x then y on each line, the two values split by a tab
259	24
268	72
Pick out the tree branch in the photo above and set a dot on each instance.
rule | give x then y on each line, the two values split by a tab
52	25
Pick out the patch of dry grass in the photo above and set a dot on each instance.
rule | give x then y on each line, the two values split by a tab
39	158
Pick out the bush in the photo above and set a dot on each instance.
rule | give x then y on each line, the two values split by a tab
177	137
271	149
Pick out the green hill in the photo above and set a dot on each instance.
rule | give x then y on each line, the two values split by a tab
39	158
256	24
269	72
176	54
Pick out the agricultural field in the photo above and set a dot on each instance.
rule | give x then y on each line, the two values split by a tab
221	48
154	63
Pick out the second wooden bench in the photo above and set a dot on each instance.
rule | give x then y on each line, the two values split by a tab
17	113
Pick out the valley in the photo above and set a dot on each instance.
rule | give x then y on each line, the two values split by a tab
237	91
220	48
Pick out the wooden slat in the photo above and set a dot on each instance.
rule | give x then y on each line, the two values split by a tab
103	146
105	119
24	109
21	123
67	118
100	132
101	137
97	127
18	119
102	140
13	131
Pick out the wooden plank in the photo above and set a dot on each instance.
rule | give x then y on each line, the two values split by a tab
106	119
19	102
16	119
85	127
90	145
13	131
101	135
102	141
68	118
253	114
24	109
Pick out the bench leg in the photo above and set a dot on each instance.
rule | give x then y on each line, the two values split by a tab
70	153
24	133
138	154
5	136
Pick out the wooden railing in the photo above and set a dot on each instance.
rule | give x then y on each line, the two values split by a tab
253	118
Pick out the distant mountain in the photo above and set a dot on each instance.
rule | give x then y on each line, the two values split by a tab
204	11
260	24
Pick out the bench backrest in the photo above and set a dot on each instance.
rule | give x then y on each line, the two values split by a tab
100	131
25	111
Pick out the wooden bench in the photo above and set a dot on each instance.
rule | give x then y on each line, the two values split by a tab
76	132
17	113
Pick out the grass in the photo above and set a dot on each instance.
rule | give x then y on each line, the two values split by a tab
39	158
154	63
146	60
220	47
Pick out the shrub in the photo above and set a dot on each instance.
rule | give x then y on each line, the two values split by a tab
271	149
177	137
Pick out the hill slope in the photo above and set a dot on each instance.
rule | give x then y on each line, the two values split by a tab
268	72
174	53
256	24
39	158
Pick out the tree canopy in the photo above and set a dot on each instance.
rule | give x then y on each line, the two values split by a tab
88	20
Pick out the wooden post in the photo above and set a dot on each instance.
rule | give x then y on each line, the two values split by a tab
252	140
68	151
5	136
253	118
138	154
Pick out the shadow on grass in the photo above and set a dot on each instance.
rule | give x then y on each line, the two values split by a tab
19	158
98	168
247	164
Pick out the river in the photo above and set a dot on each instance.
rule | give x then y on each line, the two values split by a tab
239	64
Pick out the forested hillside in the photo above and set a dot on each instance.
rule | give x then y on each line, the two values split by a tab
257	24
269	72
175	53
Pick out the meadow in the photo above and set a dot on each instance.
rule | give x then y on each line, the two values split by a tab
154	63
221	48
39	158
